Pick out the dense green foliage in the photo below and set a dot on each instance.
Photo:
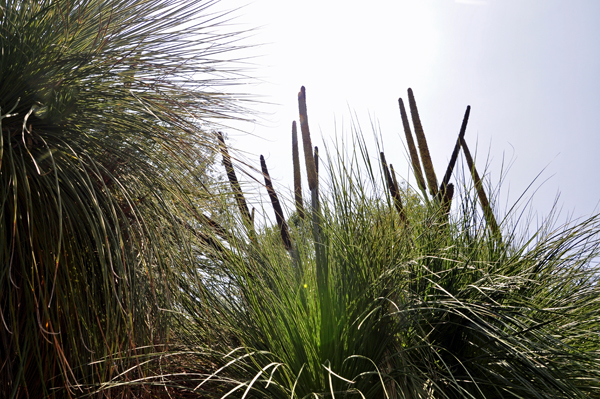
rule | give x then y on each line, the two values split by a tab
431	308
428	302
115	282
105	106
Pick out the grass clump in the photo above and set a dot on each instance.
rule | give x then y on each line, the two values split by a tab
104	166
117	282
430	299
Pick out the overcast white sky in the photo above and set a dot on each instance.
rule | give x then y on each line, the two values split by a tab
529	69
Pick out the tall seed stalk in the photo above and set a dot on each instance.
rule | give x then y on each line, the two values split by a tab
423	149
297	176
279	217
412	150
485	204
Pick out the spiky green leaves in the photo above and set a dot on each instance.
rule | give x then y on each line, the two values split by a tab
433	310
103	168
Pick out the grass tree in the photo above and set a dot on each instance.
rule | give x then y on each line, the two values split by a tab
105	111
372	290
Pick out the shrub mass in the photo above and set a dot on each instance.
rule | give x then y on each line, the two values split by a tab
373	290
128	269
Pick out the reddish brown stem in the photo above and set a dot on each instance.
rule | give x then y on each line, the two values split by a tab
283	227
235	185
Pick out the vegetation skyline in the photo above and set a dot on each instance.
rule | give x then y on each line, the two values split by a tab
528	69
134	265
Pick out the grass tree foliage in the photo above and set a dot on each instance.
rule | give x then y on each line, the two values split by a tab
104	157
372	290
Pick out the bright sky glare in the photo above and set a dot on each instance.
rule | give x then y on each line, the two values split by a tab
530	69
